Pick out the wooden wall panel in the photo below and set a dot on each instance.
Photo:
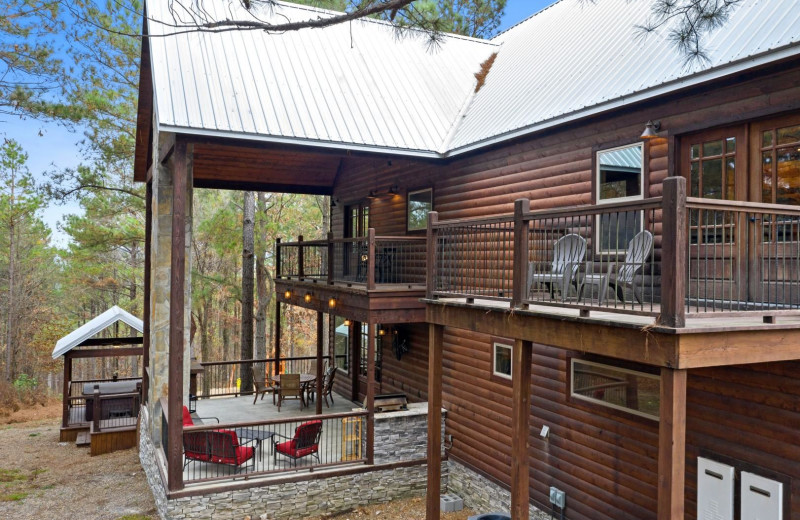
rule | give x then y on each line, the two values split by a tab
605	460
748	417
408	375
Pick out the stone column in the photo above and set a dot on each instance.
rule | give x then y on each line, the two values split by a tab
161	257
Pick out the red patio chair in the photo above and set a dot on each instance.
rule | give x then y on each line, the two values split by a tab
188	421
304	443
219	447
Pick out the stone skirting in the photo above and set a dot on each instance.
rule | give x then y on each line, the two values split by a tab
481	494
399	437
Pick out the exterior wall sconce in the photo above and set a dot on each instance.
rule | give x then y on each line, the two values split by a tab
651	130
375	194
381	331
347	323
288	294
332	303
307	297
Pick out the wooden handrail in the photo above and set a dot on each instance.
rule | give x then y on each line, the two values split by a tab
735	205
272	422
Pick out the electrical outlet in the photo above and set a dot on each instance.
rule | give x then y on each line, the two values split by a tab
557	497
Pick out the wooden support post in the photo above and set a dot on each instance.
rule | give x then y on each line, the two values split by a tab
278	249
672	444
370	259
520	413
430	260
97	409
320	334
148	237
301	270
370	399
66	384
520	267
673	253
331	254
435	340
176	317
277	367
354	335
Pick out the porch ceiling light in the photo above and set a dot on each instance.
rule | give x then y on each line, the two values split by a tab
307	297
347	323
332	303
651	129
287	294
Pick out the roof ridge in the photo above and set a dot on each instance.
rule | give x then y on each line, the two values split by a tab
540	11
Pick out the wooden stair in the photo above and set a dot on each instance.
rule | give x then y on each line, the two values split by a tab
84	439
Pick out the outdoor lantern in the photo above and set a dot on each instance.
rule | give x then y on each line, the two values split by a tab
381	332
332	303
346	323
287	294
307	297
651	129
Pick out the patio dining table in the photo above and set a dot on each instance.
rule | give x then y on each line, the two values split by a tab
305	382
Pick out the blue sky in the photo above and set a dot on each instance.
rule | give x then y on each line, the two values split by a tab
51	146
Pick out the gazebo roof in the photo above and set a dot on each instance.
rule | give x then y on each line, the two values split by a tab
93	327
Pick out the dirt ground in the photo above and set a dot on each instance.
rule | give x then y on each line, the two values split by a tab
41	478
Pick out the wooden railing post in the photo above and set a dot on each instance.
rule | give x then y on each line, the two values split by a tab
331	254
520	267
430	254
673	253
300	255
278	257
370	259
67	402
96	408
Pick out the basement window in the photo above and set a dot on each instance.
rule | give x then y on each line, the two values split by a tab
629	390
501	360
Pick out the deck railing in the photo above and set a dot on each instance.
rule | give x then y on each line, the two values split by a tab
74	413
664	257
223	378
267	447
370	260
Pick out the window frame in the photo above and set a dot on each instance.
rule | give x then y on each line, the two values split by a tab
605	404
503	344
409	193
599	202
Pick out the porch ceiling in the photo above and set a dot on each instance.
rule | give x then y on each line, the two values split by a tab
234	166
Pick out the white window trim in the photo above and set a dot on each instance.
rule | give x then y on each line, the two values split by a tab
606	403
494	359
408	201
640	196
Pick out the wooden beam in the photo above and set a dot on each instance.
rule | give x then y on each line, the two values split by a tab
65	391
370	399
672	444
673	253
148	250
430	253
277	337
101	342
520	414
435	341
319	362
107	352
180	166
355	357
166	147
519	290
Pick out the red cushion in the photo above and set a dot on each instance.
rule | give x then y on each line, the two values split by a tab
187	417
287	448
243	453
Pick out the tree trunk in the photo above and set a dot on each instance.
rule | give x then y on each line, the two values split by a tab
248	246
263	281
12	245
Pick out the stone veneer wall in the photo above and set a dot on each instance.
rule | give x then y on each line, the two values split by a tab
408	432
481	494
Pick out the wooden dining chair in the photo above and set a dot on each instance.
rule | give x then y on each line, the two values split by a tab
290	388
261	387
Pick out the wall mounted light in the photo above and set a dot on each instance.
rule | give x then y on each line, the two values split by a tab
307	297
381	331
287	294
332	303
651	129
347	323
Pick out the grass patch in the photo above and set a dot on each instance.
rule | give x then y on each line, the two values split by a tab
13	497
11	475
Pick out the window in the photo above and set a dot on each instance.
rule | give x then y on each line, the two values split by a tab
620	388
366	341
420	202
619	178
341	344
501	360
780	165
356	220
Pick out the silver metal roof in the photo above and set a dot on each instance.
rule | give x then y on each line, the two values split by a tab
577	57
357	86
93	327
349	84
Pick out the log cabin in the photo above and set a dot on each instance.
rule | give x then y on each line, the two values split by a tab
590	260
